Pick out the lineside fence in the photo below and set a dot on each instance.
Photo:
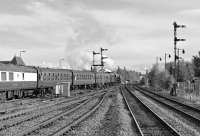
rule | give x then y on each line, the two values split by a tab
189	90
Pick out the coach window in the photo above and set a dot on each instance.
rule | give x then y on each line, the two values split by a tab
11	76
44	76
22	76
3	76
52	76
56	76
66	76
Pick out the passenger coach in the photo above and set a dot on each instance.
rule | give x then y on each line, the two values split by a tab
17	81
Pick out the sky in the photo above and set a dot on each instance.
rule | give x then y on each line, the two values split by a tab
135	32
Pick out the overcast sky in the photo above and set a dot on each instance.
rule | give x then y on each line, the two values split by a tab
134	31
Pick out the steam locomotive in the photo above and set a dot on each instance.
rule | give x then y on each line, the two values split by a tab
18	81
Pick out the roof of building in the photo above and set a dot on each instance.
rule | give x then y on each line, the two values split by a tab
15	61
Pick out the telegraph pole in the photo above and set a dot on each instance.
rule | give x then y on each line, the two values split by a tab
175	48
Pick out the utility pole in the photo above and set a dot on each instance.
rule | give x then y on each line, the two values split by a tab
175	48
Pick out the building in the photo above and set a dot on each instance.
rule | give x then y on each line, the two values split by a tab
15	61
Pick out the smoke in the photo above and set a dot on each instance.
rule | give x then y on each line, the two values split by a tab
88	35
110	64
83	59
78	59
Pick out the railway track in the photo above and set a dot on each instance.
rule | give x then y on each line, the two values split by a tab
194	107
146	122
48	111
190	113
17	105
12	106
58	102
61	123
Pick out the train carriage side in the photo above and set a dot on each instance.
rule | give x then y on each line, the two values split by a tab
83	79
99	79
105	79
49	78
17	81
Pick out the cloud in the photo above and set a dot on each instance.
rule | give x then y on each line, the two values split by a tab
134	31
190	12
42	27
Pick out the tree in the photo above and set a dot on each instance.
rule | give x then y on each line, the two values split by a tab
158	78
196	65
152	76
184	71
128	75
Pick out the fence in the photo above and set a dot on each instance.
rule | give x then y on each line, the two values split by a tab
189	90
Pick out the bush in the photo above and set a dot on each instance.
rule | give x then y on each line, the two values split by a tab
159	78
